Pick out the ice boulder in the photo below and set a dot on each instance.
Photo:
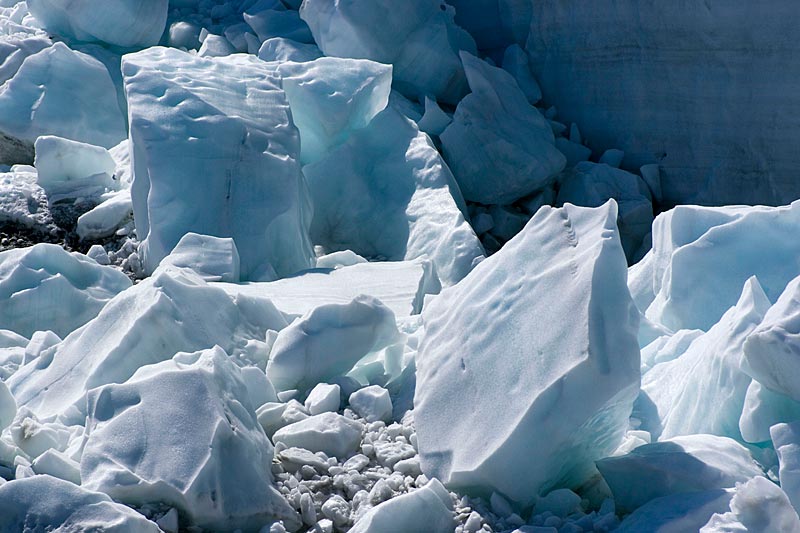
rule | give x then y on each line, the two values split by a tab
217	156
115	210
691	463
690	243
70	169
418	37
372	403
592	184
499	147
164	314
125	23
328	341
183	433
427	509
211	258
323	398
408	203
772	351
330	433
758	505
557	350
44	287
58	91
703	390
41	502
330	97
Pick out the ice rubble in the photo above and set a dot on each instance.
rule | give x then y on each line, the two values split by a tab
567	262
237	176
46	288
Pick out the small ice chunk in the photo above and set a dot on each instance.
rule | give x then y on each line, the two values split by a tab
330	433
70	169
281	49
216	46
105	219
323	398
428	509
372	403
56	464
211	258
99	254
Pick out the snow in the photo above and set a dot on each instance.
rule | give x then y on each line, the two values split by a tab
567	262
183	433
62	92
419	38
125	23
428	509
409	204
211	258
44	500
328	341
240	129
45	287
330	433
69	169
690	463
495	131
372	403
148	323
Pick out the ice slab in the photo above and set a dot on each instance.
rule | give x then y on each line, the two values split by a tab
427	509
401	286
560	356
691	463
328	341
689	245
211	258
70	169
183	433
703	390
214	151
43	501
418	37
499	147
58	91
44	287
125	23
408	203
164	314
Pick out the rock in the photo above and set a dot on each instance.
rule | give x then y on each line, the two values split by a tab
556	301
282	49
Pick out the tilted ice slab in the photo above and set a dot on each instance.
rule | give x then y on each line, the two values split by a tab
44	287
703	390
400	285
545	386
183	433
690	463
418	37
126	23
704	90
408	202
58	91
214	151
427	509
330	97
164	314
689	288
499	146
43	502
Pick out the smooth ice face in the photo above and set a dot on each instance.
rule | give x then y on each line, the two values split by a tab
387	193
45	287
183	433
125	23
328	341
545	386
46	500
418	37
427	509
149	323
690	463
399	285
499	147
214	151
763	408
211	258
58	91
772	351
330	97
691	243
703	390
591	184
70	169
